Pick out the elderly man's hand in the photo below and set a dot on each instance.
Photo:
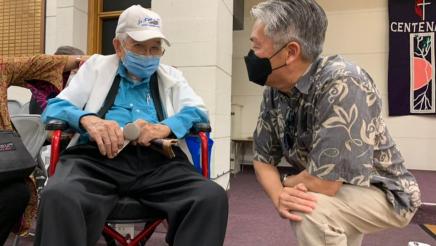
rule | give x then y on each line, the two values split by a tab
295	199
150	131
106	133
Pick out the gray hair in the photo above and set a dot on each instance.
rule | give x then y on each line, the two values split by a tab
302	21
68	50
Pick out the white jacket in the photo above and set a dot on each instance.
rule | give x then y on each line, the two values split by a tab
91	84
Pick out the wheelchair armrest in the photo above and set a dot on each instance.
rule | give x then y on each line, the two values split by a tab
62	125
200	127
57	125
201	130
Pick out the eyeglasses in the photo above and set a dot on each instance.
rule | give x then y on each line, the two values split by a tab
145	50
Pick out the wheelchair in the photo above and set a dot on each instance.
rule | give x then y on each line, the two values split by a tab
129	210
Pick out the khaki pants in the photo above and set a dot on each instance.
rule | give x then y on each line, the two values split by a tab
342	220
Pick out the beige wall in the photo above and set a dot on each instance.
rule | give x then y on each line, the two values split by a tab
358	30
66	24
200	33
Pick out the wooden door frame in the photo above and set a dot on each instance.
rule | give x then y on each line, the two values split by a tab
95	23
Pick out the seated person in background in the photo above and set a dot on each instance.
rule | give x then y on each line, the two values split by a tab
324	116
41	94
92	176
18	71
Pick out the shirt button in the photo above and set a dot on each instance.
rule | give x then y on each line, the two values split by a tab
131	105
138	110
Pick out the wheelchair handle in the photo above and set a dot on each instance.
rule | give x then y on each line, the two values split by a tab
200	127
57	125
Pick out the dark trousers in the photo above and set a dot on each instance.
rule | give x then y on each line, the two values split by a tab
86	186
14	197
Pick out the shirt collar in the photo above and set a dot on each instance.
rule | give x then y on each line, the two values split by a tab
305	82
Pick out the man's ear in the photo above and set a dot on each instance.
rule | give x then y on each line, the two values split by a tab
293	52
117	46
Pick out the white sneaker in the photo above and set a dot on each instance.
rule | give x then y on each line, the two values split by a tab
417	244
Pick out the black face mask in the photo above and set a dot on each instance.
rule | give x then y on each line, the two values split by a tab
259	68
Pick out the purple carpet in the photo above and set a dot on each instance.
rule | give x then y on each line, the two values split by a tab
254	221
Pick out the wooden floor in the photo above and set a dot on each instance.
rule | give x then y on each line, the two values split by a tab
430	229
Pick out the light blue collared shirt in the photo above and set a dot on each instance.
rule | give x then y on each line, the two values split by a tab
133	102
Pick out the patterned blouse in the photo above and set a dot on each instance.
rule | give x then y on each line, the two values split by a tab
40	71
331	124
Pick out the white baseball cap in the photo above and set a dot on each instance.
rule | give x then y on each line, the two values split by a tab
140	24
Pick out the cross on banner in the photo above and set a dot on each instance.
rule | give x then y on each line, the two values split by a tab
423	5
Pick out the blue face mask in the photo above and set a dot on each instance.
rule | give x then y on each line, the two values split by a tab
140	66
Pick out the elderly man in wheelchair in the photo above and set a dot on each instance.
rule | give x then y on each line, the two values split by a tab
107	93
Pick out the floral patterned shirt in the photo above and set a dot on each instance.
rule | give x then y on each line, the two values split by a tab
331	124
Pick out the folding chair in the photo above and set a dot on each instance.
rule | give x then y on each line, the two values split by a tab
31	130
33	135
14	107
25	108
128	210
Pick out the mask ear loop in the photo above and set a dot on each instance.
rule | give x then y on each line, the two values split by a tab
124	49
123	45
278	67
276	54
278	51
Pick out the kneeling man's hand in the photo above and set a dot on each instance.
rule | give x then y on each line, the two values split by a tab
293	199
106	133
